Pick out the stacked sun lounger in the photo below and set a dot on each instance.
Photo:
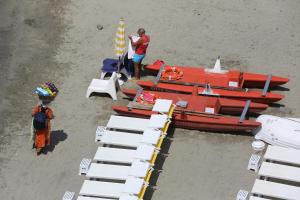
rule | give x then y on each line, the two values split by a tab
278	175
122	166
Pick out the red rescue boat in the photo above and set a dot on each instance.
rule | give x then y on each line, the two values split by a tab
199	103
243	94
215	76
183	118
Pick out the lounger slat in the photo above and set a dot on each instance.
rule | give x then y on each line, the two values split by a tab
137	124
143	152
257	198
132	186
124	197
279	171
90	198
121	138
276	190
149	136
127	123
282	154
114	155
101	189
117	172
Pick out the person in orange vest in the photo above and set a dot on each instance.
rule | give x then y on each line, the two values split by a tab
140	51
42	127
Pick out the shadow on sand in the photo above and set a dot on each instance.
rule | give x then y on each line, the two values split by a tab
56	137
158	168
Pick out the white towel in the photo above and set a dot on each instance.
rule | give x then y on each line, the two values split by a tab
131	49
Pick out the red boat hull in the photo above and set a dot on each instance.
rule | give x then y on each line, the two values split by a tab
253	95
197	103
199	75
204	123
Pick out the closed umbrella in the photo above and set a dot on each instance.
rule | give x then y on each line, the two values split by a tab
120	41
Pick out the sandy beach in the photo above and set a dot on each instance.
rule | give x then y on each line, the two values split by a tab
59	41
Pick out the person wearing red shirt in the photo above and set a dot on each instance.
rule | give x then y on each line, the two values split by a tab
140	51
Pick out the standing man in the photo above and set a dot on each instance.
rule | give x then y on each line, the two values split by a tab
140	51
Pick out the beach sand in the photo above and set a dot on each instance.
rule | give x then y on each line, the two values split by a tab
59	41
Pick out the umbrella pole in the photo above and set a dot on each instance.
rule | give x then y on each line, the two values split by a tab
119	64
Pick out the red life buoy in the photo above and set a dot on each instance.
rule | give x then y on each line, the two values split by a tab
172	74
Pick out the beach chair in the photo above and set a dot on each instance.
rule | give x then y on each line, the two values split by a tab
110	66
126	156
278	171
275	190
138	169
104	86
132	186
149	136
137	124
283	155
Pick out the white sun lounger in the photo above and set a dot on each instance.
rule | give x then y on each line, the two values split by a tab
279	171
138	169
137	124
276	190
132	186
282	154
116	155
149	136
